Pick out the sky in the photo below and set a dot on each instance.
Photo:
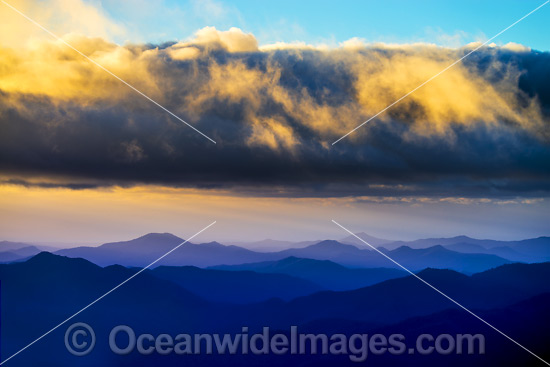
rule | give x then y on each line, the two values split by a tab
84	159
448	23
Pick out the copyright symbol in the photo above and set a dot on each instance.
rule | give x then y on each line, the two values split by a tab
79	339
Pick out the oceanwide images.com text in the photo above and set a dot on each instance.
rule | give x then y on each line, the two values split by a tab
80	340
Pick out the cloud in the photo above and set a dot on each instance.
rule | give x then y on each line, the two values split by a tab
233	40
482	127
59	16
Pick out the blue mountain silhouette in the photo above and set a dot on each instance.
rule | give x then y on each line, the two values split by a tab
41	292
141	251
326	273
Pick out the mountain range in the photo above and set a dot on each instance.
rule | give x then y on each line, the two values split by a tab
46	289
143	250
321	286
17	251
237	286
460	253
529	250
328	274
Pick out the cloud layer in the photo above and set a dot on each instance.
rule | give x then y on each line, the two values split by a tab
482	128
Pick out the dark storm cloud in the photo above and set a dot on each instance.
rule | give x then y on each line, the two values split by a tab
484	131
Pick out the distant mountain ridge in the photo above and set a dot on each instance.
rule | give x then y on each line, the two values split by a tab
126	252
269	245
413	259
10	245
18	251
528	250
18	254
143	250
537	247
326	273
371	240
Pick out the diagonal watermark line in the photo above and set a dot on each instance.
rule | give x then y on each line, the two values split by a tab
442	71
106	70
109	292
438	291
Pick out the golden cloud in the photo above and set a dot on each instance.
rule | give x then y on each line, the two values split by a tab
376	75
59	16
